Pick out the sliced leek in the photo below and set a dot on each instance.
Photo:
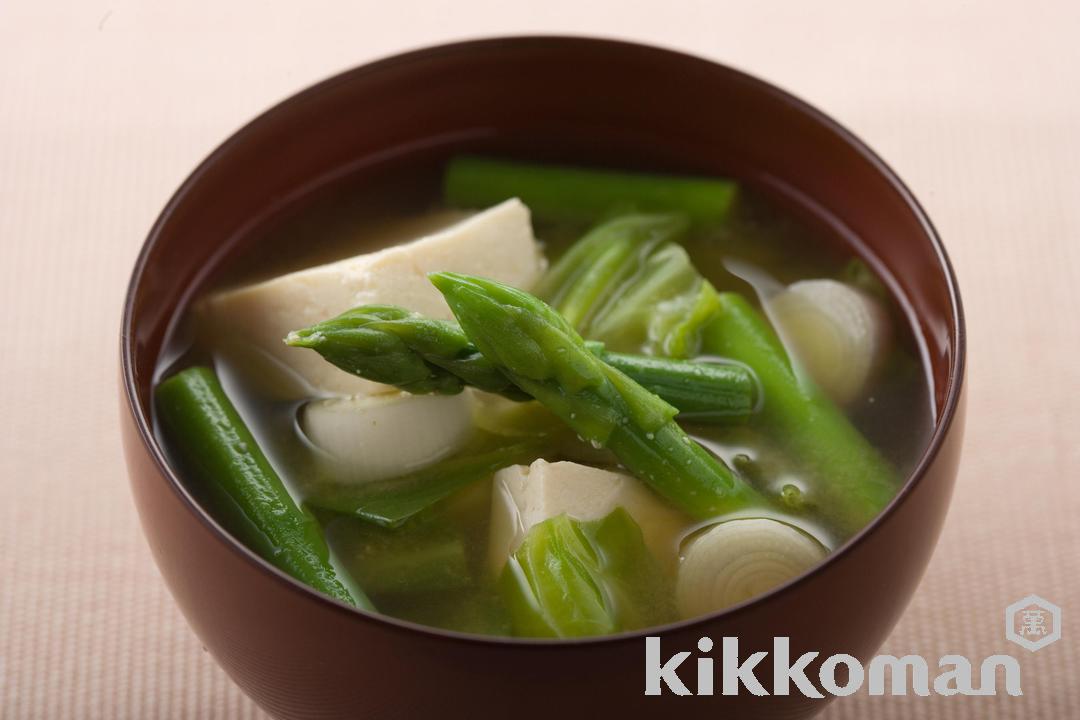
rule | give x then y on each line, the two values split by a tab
838	333
740	559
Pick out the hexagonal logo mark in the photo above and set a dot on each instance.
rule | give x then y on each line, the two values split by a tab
1033	623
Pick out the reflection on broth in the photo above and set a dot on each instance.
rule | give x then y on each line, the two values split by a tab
694	400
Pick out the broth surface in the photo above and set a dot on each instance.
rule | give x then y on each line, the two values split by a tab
896	415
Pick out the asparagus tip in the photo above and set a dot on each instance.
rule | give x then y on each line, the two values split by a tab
303	338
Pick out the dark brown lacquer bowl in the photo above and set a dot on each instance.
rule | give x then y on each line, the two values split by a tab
300	655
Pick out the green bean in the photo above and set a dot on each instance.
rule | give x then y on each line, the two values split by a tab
569	194
702	391
212	441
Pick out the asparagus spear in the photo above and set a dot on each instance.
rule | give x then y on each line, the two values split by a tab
540	353
419	559
854	480
669	308
390	503
583	195
420	355
213	441
392	345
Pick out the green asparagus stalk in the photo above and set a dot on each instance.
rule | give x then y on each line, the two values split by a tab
391	345
584	195
854	481
540	353
669	309
212	440
418	559
389	503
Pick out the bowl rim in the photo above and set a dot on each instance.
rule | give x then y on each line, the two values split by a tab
143	423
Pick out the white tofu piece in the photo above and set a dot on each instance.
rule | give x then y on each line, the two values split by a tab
523	496
497	243
369	438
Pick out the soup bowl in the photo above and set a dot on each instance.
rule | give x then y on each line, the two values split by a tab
301	655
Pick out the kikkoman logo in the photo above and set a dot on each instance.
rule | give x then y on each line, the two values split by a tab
1033	623
954	675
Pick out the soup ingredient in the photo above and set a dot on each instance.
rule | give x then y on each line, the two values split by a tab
368	438
572	578
707	392
740	559
839	335
853	481
608	257
628	284
573	194
420	558
476	611
540	353
213	442
398	347
497	243
663	309
525	495
390	503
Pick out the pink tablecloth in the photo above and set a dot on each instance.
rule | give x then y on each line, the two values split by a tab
104	107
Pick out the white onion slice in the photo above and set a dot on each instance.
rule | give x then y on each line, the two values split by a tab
838	334
737	560
365	439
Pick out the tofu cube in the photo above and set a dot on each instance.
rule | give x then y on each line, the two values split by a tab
524	495
497	243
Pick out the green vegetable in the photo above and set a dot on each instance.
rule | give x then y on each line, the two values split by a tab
854	482
576	579
658	301
212	440
476	610
602	261
539	352
702	391
390	503
417	559
584	195
392	345
628	284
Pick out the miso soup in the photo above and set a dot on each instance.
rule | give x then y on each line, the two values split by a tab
542	401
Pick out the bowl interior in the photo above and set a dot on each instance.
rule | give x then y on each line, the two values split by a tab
579	100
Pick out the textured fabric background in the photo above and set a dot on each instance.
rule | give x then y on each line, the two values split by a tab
105	106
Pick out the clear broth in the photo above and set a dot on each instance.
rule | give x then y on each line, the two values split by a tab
404	205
